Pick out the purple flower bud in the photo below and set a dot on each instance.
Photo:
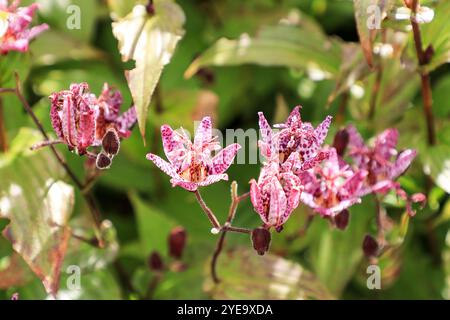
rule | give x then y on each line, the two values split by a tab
340	141
261	240
103	161
150	8
111	142
177	242
370	246
341	219
428	54
15	296
155	262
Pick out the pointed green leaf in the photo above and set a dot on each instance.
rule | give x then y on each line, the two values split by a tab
149	40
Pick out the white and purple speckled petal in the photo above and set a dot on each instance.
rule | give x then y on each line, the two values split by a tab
222	161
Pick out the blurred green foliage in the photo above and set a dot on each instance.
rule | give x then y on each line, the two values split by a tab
316	63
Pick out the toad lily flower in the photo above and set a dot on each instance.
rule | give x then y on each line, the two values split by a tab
275	195
80	120
296	138
332	187
15	33
383	163
192	164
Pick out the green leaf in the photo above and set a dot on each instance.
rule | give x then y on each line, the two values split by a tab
68	48
290	45
150	41
63	15
437	33
336	254
38	205
246	275
436	163
153	226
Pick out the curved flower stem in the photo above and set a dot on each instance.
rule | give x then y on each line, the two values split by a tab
424	76
212	218
235	199
44	144
87	196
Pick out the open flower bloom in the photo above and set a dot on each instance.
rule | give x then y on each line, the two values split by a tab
15	33
383	163
294	138
332	187
191	164
81	120
275	195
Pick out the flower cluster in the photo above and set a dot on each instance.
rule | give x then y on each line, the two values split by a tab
15	31
288	153
81	120
383	164
193	165
297	168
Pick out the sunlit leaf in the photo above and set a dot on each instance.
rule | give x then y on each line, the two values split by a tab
38	205
246	275
150	41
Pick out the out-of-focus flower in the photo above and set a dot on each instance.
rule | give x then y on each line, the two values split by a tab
191	165
331	187
15	31
81	120
177	242
383	163
296	140
275	195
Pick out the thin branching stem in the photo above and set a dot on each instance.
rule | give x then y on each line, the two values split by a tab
211	216
235	200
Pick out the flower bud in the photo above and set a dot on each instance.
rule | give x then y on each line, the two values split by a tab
370	246
15	296
177	242
103	161
150	8
111	142
261	240
341	219
428	54
340	141
155	262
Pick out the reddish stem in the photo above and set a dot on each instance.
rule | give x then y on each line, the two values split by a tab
424	77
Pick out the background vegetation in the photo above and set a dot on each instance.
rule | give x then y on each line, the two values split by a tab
314	59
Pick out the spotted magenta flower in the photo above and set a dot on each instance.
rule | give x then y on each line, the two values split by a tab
383	163
332	187
191	164
295	140
15	31
81	120
275	195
